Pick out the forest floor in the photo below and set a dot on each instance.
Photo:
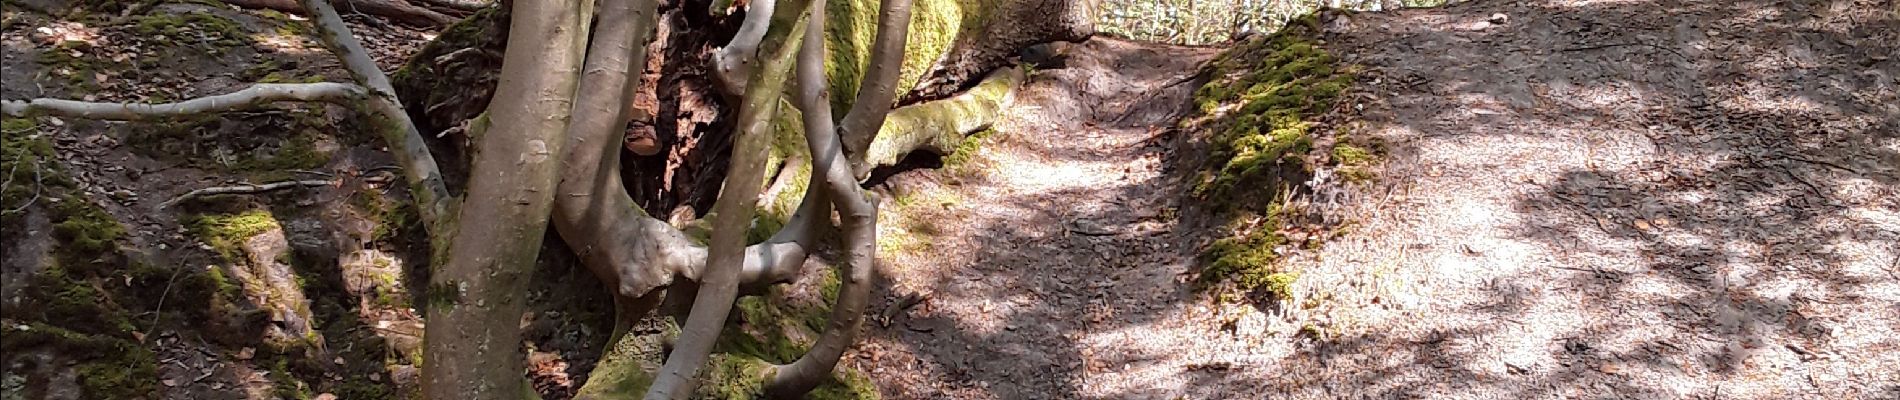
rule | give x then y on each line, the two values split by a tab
1577	199
1650	199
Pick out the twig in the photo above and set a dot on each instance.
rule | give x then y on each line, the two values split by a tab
254	96
244	189
159	309
1605	46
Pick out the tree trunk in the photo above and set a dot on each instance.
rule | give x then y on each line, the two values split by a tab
478	294
734	210
1019	23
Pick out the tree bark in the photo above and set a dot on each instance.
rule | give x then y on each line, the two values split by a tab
478	294
879	87
432	198
734	209
1019	23
857	215
592	212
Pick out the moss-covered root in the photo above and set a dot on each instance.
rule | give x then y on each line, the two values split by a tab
939	126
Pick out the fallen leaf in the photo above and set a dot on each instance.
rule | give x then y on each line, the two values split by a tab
1611	368
1644	225
246	353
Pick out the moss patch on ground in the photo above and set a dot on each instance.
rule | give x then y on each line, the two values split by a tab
1262	97
226	233
777	328
1261	105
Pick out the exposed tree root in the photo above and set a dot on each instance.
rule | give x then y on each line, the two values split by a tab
938	126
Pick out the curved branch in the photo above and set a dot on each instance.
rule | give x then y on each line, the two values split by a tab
734	63
857	215
629	250
736	204
879	87
590	195
252	97
433	201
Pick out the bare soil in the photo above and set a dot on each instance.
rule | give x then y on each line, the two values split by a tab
1647	199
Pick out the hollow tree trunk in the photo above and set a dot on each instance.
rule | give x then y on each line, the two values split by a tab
478	294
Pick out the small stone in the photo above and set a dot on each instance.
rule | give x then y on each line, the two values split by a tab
338	360
326	396
1499	18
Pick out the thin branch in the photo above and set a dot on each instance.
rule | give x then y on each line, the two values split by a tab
243	189
734	212
879	88
432	198
253	97
857	215
734	63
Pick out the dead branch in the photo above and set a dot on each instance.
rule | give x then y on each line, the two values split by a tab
243	189
398	10
735	207
431	195
252	97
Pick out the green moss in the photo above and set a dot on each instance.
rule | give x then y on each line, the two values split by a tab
966	150
934	26
734	377
284	385
212	33
777	329
1261	96
108	367
389	217
226	233
1249	260
1355	162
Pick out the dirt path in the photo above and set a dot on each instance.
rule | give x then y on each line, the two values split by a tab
1038	256
1582	200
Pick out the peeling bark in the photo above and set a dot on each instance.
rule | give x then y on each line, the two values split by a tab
473	334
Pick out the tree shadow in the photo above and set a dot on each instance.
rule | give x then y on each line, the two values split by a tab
1696	200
